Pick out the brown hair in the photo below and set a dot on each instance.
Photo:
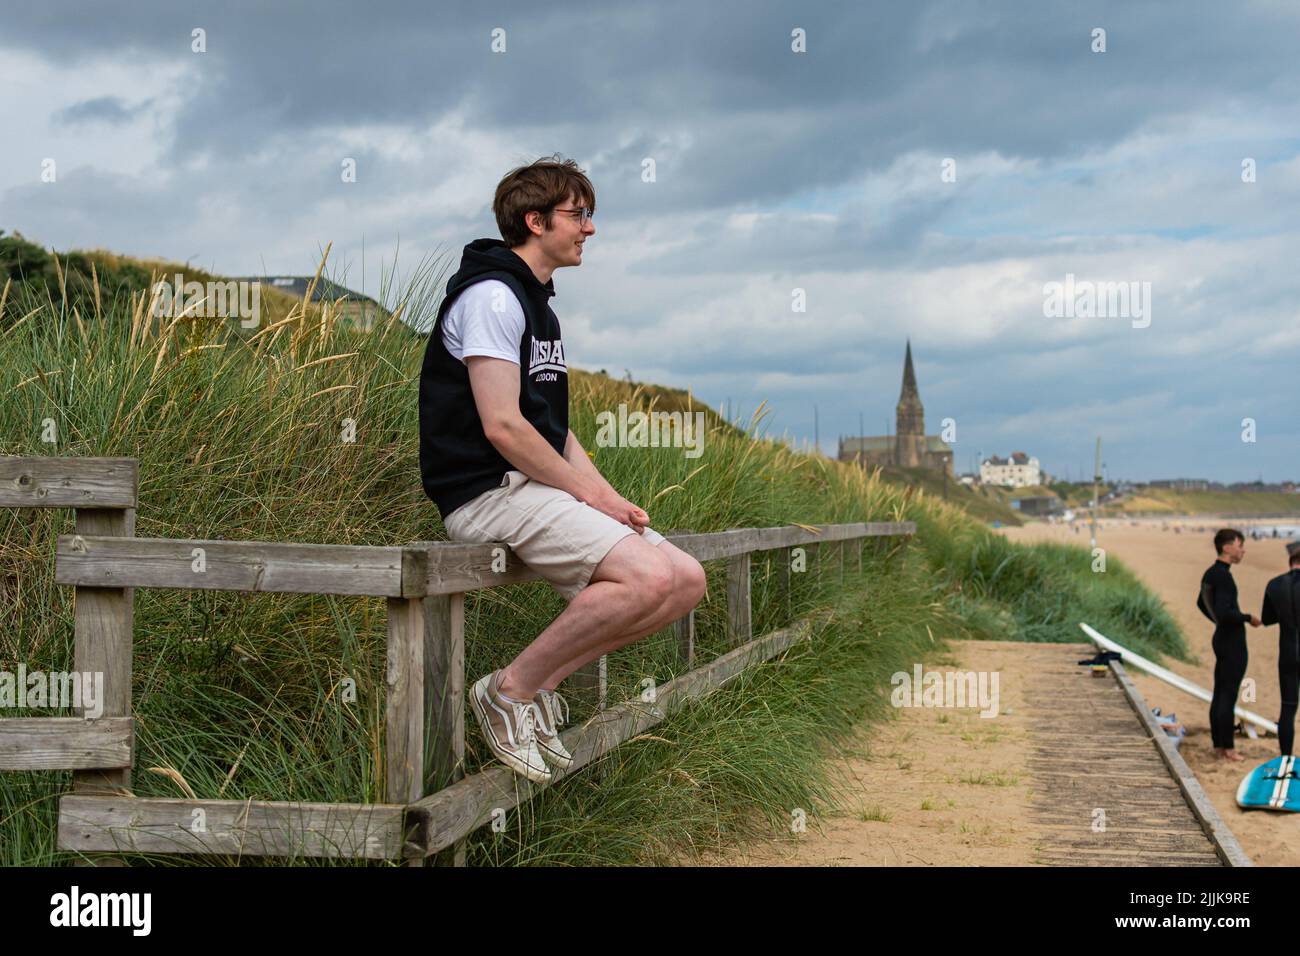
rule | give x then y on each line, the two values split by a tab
1225	536
539	186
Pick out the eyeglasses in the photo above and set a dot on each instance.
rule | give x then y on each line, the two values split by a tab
583	215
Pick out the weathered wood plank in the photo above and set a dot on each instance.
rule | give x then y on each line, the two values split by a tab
592	681
103	624
65	743
91	824
685	630
55	482
87	559
724	544
454	567
739	606
404	701
458	810
1225	844
444	704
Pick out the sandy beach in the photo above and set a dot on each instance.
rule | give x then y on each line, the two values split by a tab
1171	564
928	787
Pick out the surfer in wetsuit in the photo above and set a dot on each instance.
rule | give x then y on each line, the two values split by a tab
1218	602
1282	607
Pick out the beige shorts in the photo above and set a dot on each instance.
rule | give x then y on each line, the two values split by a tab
555	534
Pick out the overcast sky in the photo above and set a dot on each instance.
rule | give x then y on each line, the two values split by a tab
921	169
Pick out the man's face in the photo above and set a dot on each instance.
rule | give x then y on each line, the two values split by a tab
1234	551
562	243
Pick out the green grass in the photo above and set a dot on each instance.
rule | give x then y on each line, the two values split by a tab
1171	501
985	503
1041	592
876	814
989	779
241	436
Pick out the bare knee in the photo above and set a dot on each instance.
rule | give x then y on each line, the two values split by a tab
691	582
655	582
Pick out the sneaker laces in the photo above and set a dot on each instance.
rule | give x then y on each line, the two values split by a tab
526	721
553	702
548	720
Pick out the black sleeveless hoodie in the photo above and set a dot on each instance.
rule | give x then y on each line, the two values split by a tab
457	462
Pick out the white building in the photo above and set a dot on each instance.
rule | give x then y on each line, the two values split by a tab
1018	471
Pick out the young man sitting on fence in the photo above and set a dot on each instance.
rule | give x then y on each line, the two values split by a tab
498	459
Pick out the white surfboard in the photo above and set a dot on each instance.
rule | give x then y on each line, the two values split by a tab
1170	678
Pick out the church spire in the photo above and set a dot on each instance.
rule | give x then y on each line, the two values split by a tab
909	377
909	417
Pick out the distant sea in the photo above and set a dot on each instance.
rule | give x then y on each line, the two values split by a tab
1287	531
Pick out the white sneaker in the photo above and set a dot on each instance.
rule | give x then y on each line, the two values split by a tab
548	704
510	729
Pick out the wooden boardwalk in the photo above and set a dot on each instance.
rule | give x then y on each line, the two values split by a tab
1105	791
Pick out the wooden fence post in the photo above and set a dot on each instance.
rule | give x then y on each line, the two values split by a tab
404	706
686	637
103	621
783	576
592	677
739	620
444	702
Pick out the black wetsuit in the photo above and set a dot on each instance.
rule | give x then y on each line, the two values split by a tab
1282	607
1218	602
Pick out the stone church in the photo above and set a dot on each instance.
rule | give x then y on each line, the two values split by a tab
911	447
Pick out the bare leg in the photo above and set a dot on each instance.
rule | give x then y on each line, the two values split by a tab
632	583
688	589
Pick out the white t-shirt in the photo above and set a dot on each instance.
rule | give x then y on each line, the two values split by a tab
485	319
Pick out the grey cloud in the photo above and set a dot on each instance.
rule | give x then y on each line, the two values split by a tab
112	110
248	176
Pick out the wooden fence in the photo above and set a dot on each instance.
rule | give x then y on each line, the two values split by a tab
430	805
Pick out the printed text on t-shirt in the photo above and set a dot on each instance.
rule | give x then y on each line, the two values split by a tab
546	360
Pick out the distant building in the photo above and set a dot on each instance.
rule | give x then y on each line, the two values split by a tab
1018	471
911	447
1181	484
1261	486
360	309
1038	505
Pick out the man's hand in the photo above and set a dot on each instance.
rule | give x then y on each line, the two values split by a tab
599	493
610	502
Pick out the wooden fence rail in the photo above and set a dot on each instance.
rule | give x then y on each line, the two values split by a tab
430	805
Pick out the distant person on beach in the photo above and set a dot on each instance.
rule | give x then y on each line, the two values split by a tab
1218	602
499	460
1282	607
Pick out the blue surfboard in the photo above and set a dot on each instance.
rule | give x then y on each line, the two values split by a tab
1271	786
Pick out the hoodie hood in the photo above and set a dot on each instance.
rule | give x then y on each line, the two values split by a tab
492	255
